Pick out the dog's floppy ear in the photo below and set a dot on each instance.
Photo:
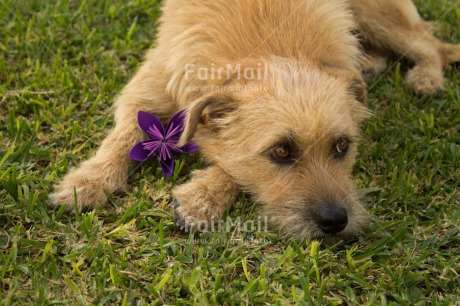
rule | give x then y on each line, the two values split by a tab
206	110
359	89
356	86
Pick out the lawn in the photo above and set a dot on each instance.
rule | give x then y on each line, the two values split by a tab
62	63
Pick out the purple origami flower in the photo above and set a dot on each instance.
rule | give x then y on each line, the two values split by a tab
162	143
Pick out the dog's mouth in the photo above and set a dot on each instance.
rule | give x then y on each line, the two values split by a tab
300	227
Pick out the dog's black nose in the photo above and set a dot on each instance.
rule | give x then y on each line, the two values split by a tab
332	219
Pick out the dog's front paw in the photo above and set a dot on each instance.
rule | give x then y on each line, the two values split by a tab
425	81
196	210
203	200
89	194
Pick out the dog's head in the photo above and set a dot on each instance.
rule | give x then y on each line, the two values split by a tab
289	140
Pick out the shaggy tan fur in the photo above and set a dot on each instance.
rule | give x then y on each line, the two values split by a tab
308	92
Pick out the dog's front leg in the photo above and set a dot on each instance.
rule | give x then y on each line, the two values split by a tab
204	199
107	171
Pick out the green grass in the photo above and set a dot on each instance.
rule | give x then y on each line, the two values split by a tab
62	62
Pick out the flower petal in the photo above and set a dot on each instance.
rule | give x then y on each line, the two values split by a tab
190	147
167	166
138	153
175	126
150	124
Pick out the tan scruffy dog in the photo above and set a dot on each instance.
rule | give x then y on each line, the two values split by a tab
275	97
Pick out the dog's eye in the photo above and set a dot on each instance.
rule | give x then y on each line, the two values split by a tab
281	154
340	148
